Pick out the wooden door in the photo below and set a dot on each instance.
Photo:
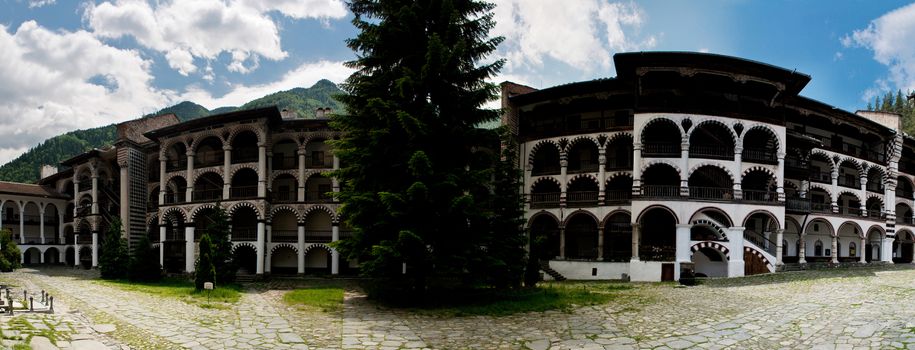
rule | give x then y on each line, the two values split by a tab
667	272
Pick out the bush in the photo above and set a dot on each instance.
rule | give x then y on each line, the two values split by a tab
144	264
205	270
9	253
113	257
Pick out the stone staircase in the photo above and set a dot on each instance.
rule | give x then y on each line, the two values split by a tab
545	267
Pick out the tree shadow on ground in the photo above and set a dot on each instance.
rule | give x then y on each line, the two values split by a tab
804	275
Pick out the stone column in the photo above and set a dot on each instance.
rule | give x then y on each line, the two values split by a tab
684	163
862	252
636	168
95	193
261	171
60	227
125	202
269	234
189	192
163	186
334	181
600	243
300	194
738	173
94	248
886	253
636	235
161	245
334	254
21	224
735	245
76	249
300	244
41	226
226	171
802	253
835	190
601	178
835	250
682	242
260	247
779	246
562	242
564	179
189	259
780	177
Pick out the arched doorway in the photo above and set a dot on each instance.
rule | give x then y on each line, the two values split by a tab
317	260
174	247
618	237
709	260
581	237
70	256
85	256
903	247
284	261
246	259
544	231
874	243
52	256
31	256
659	233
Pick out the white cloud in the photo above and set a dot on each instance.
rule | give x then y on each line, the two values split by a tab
303	76
53	82
582	34
185	30
888	37
40	3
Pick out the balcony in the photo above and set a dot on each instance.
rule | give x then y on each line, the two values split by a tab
875	187
759	155
661	150
318	197
711	193
175	197
243	192
318	236
175	165
84	239
240	234
319	162
207	195
760	196
545	200
246	155
209	158
821	207
618	196
583	166
711	152
285	196
875	214
904	194
581	198
618	165
284	236
850	211
905	220
285	163
849	182
821	177
661	191
546	170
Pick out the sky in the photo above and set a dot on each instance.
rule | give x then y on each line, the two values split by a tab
76	64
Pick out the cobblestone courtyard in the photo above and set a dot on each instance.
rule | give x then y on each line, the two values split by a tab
837	309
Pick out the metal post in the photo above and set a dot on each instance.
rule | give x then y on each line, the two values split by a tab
51	300
31	304
10	300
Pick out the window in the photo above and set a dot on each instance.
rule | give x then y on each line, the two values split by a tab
818	248
852	249
317	158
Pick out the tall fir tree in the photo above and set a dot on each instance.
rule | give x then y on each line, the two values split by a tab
113	254
205	270
409	131
222	258
9	252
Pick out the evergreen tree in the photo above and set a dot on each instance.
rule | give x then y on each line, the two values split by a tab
144	262
10	254
412	105
223	260
113	257
205	270
505	251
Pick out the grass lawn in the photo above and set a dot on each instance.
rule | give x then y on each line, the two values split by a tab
327	297
561	296
181	289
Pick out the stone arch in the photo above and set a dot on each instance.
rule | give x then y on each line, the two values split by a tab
294	137
617	135
759	168
853	224
758	255
319	136
603	221
766	213
313	173
657	120
318	207
284	245
203	135
174	210
702	122
251	245
579	211
172	175
654	162
766	128
200	172
546	179
711	245
538	147
826	157
200	208
661	207
168	143
580	138
237	167
851	193
239	128
822	187
231	211
278	208
317	245
832	230
879	229
789	221
715	212
712	164
581	176
277	173
542	213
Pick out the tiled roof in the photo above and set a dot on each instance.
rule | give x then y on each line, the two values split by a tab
28	190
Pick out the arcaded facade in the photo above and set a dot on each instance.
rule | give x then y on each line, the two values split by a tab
707	163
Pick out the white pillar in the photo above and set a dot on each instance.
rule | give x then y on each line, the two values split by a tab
601	181
735	245
95	249
635	241
261	171
301	248
260	247
334	255
76	249
886	250
835	250
267	253
226	171
41	226
300	194
161	245
125	203
861	251
21	223
60	226
802	253
683	238
779	238
189	191
636	168
189	259
163	186
95	193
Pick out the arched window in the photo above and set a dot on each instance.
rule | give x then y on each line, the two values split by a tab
818	248
852	249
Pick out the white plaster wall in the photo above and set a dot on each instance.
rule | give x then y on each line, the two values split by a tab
581	270
649	271
284	257
708	267
316	258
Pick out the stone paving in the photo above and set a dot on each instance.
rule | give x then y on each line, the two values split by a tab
869	308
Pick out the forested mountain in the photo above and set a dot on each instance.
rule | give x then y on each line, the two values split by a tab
25	168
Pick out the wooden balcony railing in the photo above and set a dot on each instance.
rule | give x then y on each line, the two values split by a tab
662	150
545	200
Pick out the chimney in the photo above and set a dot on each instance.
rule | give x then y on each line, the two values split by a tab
48	170
287	114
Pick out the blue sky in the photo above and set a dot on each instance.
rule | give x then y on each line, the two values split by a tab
67	65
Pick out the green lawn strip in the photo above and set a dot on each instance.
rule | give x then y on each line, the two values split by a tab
325	298
549	296
182	290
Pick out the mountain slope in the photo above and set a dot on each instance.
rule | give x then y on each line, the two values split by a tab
25	168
